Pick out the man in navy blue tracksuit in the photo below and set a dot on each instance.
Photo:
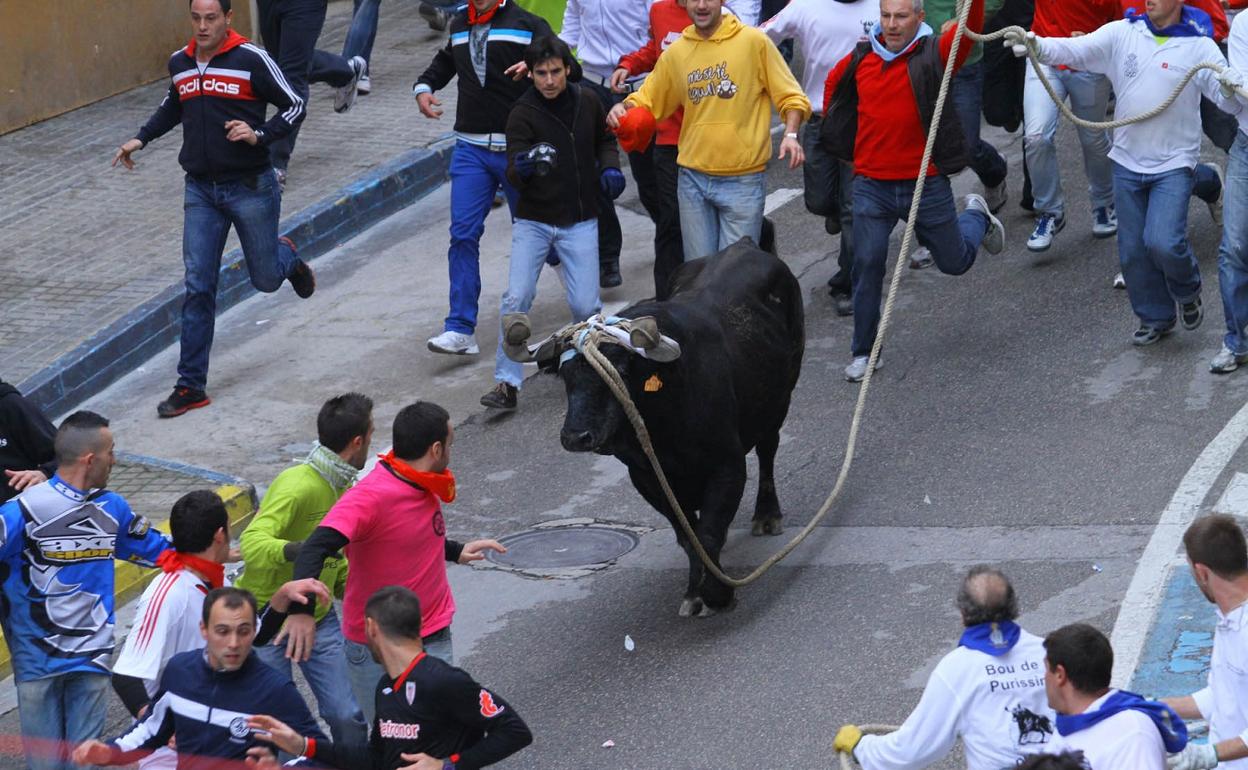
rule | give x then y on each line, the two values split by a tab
221	85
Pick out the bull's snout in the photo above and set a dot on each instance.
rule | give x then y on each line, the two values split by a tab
577	440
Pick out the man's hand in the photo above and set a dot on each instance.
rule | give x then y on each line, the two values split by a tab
277	733
239	131
617	112
124	151
261	756
518	71
91	753
612	182
421	761
618	78
948	25
847	738
300	634
1231	81
475	550
793	149
294	592
19	480
1019	42
1194	757
428	105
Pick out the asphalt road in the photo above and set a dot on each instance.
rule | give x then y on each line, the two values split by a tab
1012	423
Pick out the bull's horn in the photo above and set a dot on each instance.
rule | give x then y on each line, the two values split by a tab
644	333
516	333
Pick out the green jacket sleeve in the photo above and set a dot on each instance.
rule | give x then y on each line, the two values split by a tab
264	538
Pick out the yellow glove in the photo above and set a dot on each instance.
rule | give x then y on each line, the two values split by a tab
847	738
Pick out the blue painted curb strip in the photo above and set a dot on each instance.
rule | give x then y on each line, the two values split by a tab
126	343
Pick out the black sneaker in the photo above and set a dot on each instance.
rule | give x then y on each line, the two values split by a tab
181	401
302	279
1147	335
1191	314
503	396
609	274
842	302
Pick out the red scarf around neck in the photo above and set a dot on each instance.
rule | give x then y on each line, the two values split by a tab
172	561
441	484
483	17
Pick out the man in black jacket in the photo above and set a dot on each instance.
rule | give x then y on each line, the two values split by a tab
485	51
26	453
221	86
563	160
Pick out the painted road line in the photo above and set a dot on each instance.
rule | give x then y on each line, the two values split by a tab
1144	595
1234	499
777	198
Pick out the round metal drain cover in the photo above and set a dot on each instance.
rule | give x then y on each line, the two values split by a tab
563	547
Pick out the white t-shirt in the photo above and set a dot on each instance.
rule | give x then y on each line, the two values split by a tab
1127	740
995	704
826	31
1224	702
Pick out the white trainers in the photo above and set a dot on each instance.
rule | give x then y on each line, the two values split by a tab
1104	222
365	86
1226	361
344	97
1047	226
1120	282
857	368
994	238
454	343
921	259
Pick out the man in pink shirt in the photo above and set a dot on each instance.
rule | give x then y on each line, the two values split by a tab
391	525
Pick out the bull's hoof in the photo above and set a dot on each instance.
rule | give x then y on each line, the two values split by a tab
691	607
771	526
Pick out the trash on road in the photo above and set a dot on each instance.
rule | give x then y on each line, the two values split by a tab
608	744
1097	568
628	643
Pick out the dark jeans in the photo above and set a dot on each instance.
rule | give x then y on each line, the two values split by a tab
610	239
669	250
968	100
829	185
289	29
952	239
252	206
363	31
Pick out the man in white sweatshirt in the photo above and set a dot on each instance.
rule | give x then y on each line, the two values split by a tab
989	692
1233	252
1145	56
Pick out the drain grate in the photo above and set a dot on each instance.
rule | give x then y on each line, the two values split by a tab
564	547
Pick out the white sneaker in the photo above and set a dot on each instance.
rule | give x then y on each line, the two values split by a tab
344	97
454	343
1226	361
857	368
1120	282
920	259
1104	222
365	86
994	238
1047	226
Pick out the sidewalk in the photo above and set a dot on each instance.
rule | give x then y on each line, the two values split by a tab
92	254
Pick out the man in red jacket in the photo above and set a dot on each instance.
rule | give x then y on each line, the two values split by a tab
878	105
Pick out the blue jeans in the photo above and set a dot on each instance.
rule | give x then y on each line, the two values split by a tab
59	712
252	206
364	672
718	211
1089	95
1233	252
476	174
952	239
968	100
577	248
328	676
1157	261
363	31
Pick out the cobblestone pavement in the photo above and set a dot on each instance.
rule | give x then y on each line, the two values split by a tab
82	243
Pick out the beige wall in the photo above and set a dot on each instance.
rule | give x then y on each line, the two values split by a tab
56	55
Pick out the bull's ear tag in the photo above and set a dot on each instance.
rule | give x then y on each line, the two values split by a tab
654	384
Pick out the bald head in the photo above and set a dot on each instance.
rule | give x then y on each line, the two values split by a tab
986	596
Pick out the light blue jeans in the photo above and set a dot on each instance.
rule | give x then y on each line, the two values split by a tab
577	248
718	211
1233	253
1089	95
59	712
328	676
364	672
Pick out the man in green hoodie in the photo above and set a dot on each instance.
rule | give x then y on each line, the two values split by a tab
292	508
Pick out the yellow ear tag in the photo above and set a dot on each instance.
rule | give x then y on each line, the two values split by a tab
654	384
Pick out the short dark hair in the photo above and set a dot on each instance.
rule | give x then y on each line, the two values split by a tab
1217	542
231	597
547	47
77	435
986	596
342	418
1067	760
417	427
1085	654
396	611
195	519
225	5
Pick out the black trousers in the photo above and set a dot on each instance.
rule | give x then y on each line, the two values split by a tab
289	29
669	249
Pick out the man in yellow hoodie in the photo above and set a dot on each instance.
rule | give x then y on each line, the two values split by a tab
727	77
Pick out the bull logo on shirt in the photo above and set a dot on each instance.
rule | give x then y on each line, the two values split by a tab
488	707
711	81
1033	729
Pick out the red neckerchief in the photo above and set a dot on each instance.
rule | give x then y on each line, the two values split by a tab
483	17
441	484
172	561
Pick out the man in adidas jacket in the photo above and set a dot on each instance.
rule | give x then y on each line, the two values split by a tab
989	692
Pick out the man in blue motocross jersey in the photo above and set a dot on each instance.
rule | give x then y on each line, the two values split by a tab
58	541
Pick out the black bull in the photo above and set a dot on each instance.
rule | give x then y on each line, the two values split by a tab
738	317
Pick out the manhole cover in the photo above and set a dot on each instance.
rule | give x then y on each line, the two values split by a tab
562	547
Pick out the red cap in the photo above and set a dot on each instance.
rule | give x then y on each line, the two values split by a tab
636	129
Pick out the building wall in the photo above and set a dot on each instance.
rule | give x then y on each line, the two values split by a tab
57	55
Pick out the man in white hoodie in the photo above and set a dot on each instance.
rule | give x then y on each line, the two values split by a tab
1145	56
989	692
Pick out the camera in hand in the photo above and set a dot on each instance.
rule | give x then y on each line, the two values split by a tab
544	158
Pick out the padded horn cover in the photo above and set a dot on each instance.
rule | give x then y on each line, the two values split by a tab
516	333
644	333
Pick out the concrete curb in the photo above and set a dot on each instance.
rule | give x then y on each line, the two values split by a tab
128	342
129	580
